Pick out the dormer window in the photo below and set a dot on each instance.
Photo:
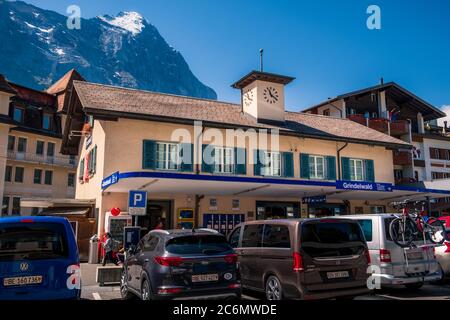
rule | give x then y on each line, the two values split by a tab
18	114
47	122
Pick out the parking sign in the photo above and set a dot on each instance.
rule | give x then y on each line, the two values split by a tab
137	203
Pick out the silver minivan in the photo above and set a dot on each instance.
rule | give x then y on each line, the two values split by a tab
410	267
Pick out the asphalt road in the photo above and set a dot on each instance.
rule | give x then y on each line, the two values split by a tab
427	292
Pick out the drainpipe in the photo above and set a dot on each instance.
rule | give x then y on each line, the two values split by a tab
339	159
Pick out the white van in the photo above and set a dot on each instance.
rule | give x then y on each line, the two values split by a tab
410	267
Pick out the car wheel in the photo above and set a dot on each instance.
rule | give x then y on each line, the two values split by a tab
414	286
124	292
273	289
146	293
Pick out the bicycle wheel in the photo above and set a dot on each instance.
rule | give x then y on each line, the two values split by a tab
435	231
403	231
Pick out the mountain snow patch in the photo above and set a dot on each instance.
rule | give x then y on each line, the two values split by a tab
129	21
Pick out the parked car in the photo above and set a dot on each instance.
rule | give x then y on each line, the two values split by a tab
181	264
38	259
302	258
410	267
443	252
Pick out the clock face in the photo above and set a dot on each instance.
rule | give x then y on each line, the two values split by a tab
248	97
270	95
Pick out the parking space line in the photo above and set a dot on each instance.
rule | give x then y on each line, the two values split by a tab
390	297
248	297
96	296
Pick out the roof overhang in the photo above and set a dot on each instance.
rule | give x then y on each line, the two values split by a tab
55	203
263	76
181	183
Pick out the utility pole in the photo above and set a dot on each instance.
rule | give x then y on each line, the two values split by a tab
261	63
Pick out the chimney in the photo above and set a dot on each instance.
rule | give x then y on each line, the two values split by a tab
381	80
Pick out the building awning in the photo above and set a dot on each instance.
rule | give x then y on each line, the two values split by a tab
64	212
231	185
55	203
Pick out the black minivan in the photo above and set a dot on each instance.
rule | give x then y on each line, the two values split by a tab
302	258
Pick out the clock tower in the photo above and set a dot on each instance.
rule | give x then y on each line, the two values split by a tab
262	95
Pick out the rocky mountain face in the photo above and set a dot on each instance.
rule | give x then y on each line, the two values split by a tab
37	48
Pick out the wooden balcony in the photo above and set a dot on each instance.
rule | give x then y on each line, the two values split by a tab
357	118
399	128
402	158
379	124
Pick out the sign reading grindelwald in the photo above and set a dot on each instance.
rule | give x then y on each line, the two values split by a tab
108	181
363	186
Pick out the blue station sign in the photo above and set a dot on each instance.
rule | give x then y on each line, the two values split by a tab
109	181
363	186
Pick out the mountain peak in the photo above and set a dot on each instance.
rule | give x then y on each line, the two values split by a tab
130	21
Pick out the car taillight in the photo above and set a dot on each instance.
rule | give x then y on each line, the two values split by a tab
298	262
169	290
169	261
234	286
385	256
27	220
367	255
231	258
448	247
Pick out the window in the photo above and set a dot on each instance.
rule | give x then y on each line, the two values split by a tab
50	149
8	173
398	174
416	176
223	160
72	159
167	156
48	180
81	170
377	209
15	206
234	238
356	170
272	164
18	177
40	147
34	211
252	237
5	206
235	204
11	143
198	245
71	179
47	122
276	236
22	145
326	112
92	164
37	176
150	243
18	114
213	204
316	167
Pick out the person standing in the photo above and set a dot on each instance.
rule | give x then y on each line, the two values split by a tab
108	245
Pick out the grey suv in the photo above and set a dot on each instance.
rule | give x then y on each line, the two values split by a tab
302	258
181	264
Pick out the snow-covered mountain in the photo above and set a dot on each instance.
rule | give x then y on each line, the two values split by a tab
37	48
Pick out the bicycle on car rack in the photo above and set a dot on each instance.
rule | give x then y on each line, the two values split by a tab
405	228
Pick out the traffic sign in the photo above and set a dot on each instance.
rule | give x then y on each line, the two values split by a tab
137	203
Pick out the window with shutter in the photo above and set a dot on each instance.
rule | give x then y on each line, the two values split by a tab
149	154
187	157
345	168
208	156
288	164
304	166
331	167
240	161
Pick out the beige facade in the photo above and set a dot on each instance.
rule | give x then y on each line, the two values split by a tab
120	148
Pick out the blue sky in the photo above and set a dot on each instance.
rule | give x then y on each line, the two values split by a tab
324	44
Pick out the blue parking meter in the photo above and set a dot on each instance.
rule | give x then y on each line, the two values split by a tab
131	236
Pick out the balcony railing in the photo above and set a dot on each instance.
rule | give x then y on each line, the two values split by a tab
402	158
43	159
404	181
395	128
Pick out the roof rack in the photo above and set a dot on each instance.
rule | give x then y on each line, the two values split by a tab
207	229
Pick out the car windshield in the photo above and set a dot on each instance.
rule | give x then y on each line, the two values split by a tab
332	239
201	244
32	241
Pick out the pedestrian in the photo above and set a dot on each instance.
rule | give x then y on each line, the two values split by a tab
108	245
160	224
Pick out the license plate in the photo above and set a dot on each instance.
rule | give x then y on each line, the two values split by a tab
22	281
205	277
337	274
415	255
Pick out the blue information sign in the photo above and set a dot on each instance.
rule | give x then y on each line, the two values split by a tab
363	186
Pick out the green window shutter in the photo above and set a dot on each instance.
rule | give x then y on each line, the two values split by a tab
345	168
207	167
257	163
370	170
304	166
331	167
81	170
149	155
288	164
240	161
94	159
187	165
